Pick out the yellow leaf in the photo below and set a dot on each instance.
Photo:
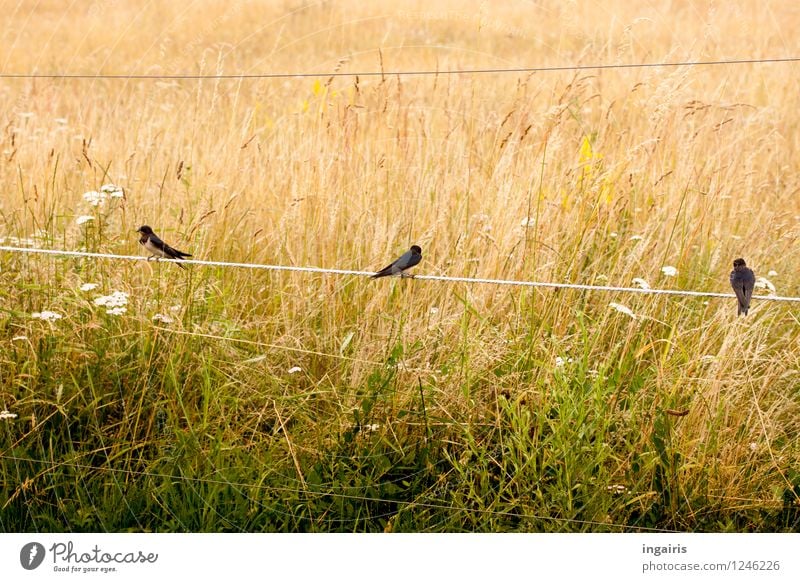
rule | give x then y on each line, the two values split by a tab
607	191
586	154
566	200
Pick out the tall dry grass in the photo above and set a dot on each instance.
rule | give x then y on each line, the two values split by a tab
418	405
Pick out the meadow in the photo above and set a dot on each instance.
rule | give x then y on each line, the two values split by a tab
137	396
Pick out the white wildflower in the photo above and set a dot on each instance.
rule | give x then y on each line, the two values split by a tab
116	310
175	308
371	427
772	274
83	219
641	283
116	299
622	309
112	190
88	287
561	361
6	414
617	489
613	235
669	271
294	370
46	315
434	310
762	283
162	318
94	197
754	447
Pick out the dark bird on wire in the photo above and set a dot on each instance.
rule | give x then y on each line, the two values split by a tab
742	280
157	247
408	260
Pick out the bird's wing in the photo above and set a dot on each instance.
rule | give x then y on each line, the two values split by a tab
395	267
405	261
387	270
739	289
748	286
175	253
414	260
166	249
158	243
170	252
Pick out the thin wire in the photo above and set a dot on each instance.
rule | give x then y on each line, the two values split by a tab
403	73
471	280
405	504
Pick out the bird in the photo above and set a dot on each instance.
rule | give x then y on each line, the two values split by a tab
410	258
742	280
157	247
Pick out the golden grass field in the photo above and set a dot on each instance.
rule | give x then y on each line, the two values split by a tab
418	405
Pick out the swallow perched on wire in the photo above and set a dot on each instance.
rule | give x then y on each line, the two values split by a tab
157	247
409	259
742	280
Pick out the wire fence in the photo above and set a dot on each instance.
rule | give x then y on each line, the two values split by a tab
439	278
408	73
